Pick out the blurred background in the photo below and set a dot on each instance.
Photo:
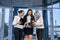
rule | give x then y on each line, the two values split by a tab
49	9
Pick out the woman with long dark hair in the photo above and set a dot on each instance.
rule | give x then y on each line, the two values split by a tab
28	30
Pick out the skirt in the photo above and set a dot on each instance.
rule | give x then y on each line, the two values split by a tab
28	31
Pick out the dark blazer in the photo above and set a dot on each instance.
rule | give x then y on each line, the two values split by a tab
25	19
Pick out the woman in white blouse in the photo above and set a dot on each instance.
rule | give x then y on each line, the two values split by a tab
18	26
39	25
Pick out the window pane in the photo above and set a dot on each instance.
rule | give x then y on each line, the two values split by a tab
0	16
56	5
6	23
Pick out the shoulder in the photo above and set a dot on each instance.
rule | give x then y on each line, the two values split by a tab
25	16
41	19
16	17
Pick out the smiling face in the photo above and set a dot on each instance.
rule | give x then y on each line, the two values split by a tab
22	13
30	12
36	15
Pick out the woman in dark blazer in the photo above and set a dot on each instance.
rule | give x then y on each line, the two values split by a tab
28	30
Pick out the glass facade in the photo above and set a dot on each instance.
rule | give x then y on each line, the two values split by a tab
53	14
0	17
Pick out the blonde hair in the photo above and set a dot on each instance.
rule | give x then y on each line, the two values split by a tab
37	12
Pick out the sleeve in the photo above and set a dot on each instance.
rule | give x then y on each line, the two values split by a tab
25	19
39	22
14	21
33	18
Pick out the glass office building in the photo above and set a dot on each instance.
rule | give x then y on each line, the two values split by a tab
49	10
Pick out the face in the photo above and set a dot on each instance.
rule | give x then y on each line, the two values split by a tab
36	15
30	12
21	14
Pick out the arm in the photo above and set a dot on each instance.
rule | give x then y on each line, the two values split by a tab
39	22
16	21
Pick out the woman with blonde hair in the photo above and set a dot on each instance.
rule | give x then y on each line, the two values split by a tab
39	25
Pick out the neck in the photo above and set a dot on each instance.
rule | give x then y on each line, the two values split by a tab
20	16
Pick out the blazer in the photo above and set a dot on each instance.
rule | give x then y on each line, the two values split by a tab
25	19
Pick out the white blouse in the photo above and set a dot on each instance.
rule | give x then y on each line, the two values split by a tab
28	19
16	19
39	23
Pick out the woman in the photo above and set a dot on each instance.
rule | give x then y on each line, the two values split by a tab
28	30
18	26
39	25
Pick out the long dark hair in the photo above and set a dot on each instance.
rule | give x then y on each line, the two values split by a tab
28	11
32	17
